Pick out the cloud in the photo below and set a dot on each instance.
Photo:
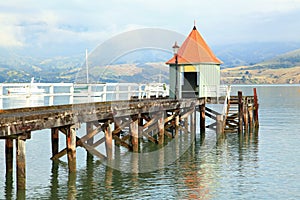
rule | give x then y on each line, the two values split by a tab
40	24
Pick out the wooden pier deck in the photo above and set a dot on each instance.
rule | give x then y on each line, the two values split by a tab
152	119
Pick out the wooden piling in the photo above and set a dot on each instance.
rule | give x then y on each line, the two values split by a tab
71	148
246	117
55	140
250	111
108	140
240	114
219	129
256	122
21	164
9	150
176	124
134	127
161	128
90	141
193	123
202	118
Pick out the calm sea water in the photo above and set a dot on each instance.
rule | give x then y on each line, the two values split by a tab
263	165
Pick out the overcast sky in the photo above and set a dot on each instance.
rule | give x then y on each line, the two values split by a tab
61	24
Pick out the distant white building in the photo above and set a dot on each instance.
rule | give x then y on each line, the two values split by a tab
198	69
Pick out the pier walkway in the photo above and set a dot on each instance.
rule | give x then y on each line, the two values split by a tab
121	123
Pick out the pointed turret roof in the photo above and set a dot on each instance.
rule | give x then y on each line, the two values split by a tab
194	50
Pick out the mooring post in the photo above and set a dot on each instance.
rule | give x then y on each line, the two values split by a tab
161	127
55	140
134	129
202	119
108	140
141	124
219	125
240	117
245	112
71	148
21	164
256	122
250	111
9	150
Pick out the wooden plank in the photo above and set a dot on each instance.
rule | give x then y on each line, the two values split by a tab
171	117
212	111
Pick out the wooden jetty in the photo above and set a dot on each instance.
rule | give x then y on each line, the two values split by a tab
153	119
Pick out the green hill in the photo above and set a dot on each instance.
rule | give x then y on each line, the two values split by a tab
282	69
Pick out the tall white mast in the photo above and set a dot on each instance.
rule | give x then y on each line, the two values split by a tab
87	66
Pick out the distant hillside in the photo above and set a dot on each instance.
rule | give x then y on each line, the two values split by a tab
282	69
260	61
251	53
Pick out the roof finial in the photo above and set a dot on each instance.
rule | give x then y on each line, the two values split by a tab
194	25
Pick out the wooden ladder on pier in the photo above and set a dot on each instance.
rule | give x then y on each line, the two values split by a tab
232	120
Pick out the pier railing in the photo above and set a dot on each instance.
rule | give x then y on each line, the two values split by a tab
69	93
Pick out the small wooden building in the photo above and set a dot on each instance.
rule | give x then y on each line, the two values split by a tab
196	67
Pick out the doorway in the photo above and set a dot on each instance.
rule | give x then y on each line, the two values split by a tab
190	85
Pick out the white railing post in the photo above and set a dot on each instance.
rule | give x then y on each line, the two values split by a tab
71	94
117	92
1	96
104	92
129	93
51	95
140	91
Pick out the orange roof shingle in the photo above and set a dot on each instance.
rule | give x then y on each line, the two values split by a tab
195	50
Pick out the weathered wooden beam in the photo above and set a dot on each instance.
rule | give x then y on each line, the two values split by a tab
89	129
71	148
169	118
91	134
186	114
202	118
108	140
250	111
9	150
93	151
152	121
256	122
134	131
21	164
149	137
122	143
219	127
211	116
240	113
161	128
121	126
100	141
55	140
246	117
168	134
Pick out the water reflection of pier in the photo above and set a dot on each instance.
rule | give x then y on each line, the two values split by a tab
197	171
